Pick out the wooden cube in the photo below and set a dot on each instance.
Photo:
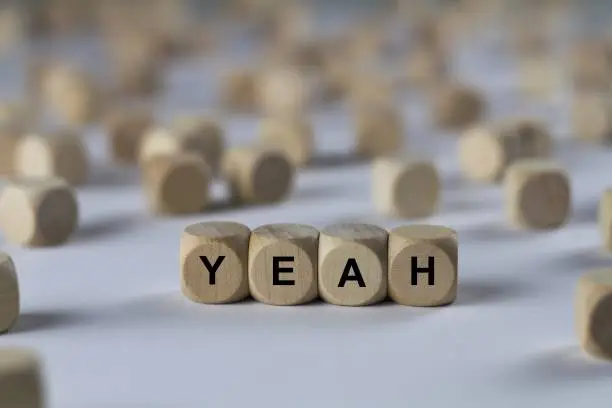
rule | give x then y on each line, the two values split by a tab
200	136
353	264
283	264
593	309
61	154
214	262
72	94
10	135
426	67
258	175
407	188
137	60
126	129
282	92
537	194
176	183
605	219
21	383
368	90
239	90
380	130
457	107
38	212
541	76
294	136
423	265
486	151
9	290
592	117
591	66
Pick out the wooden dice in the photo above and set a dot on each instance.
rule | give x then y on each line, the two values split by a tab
593	309
283	260
591	67
72	94
21	382
423	265
199	136
10	134
407	188
293	135
425	68
239	90
213	261
605	219
126	129
486	151
176	183
537	194
258	175
380	130
9	293
592	117
457	107
353	264
38	212
283	92
541	76
61	154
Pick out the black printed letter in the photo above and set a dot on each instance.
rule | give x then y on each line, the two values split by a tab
429	270
346	274
277	270
212	269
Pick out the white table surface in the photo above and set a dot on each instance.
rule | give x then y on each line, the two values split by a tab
106	314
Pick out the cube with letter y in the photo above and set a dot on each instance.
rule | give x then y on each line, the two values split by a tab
213	260
283	263
423	265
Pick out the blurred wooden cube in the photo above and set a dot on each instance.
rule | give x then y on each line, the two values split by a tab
9	287
21	381
593	307
38	212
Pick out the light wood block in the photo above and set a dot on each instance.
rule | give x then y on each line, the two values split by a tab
353	264
137	64
239	90
21	382
457	107
405	187
486	151
126	129
199	136
294	136
593	308
72	94
605	219
10	135
541	76
368	90
258	175
380	130
591	67
537	194
214	262
38	212
177	183
283	92
592	117
61	154
283	264
9	293
423	265
425	68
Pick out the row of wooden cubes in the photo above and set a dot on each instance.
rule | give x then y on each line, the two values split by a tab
343	264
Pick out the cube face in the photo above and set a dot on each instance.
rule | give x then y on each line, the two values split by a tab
283	264
20	379
353	264
416	190
9	293
422	274
593	310
214	262
380	130
538	195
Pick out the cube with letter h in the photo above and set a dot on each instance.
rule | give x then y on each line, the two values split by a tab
423	265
